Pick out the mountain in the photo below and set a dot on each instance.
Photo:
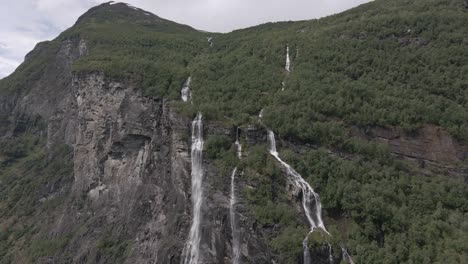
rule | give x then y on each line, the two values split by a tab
102	161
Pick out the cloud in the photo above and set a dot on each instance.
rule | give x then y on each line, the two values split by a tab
7	66
26	22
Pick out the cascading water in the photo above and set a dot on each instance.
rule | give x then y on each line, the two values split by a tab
232	209
238	145
234	228
346	257
310	200
288	60
191	252
185	93
330	254
260	115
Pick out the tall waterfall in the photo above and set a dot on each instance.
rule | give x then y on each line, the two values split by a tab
191	252
288	60
185	93
234	226
310	200
232	209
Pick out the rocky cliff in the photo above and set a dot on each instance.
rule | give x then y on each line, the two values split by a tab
131	171
95	157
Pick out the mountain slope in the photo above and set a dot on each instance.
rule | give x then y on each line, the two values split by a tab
95	156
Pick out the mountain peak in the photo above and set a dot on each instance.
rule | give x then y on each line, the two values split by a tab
119	12
115	10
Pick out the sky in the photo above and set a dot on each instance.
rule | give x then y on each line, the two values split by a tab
23	23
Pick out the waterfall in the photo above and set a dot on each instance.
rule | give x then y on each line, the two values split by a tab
191	252
232	208
260	115
234	227
346	256
210	41
330	254
237	143
288	60
185	93
310	200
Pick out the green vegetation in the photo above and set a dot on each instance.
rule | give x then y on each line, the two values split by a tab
128	44
30	180
43	247
269	203
36	64
395	216
113	248
395	63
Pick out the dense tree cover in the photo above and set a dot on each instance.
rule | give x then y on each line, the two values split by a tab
387	63
132	44
395	214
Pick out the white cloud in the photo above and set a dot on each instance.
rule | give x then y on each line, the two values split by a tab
7	66
25	22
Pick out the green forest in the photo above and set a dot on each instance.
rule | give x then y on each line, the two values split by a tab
389	63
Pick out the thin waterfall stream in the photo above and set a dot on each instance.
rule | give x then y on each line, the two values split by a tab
330	253
310	200
191	252
346	256
185	93
232	208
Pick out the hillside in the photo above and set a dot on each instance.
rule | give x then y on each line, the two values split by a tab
96	164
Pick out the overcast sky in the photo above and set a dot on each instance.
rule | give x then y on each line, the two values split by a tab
23	23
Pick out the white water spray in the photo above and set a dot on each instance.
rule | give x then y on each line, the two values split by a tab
234	228
310	200
191	252
185	93
288	60
232	208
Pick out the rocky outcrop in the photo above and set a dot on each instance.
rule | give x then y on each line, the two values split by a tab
431	147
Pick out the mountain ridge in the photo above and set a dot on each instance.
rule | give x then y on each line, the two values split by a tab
95	139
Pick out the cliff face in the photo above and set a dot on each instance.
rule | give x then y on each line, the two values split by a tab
97	171
131	172
432	148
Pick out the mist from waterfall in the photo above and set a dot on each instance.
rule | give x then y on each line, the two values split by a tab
191	252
